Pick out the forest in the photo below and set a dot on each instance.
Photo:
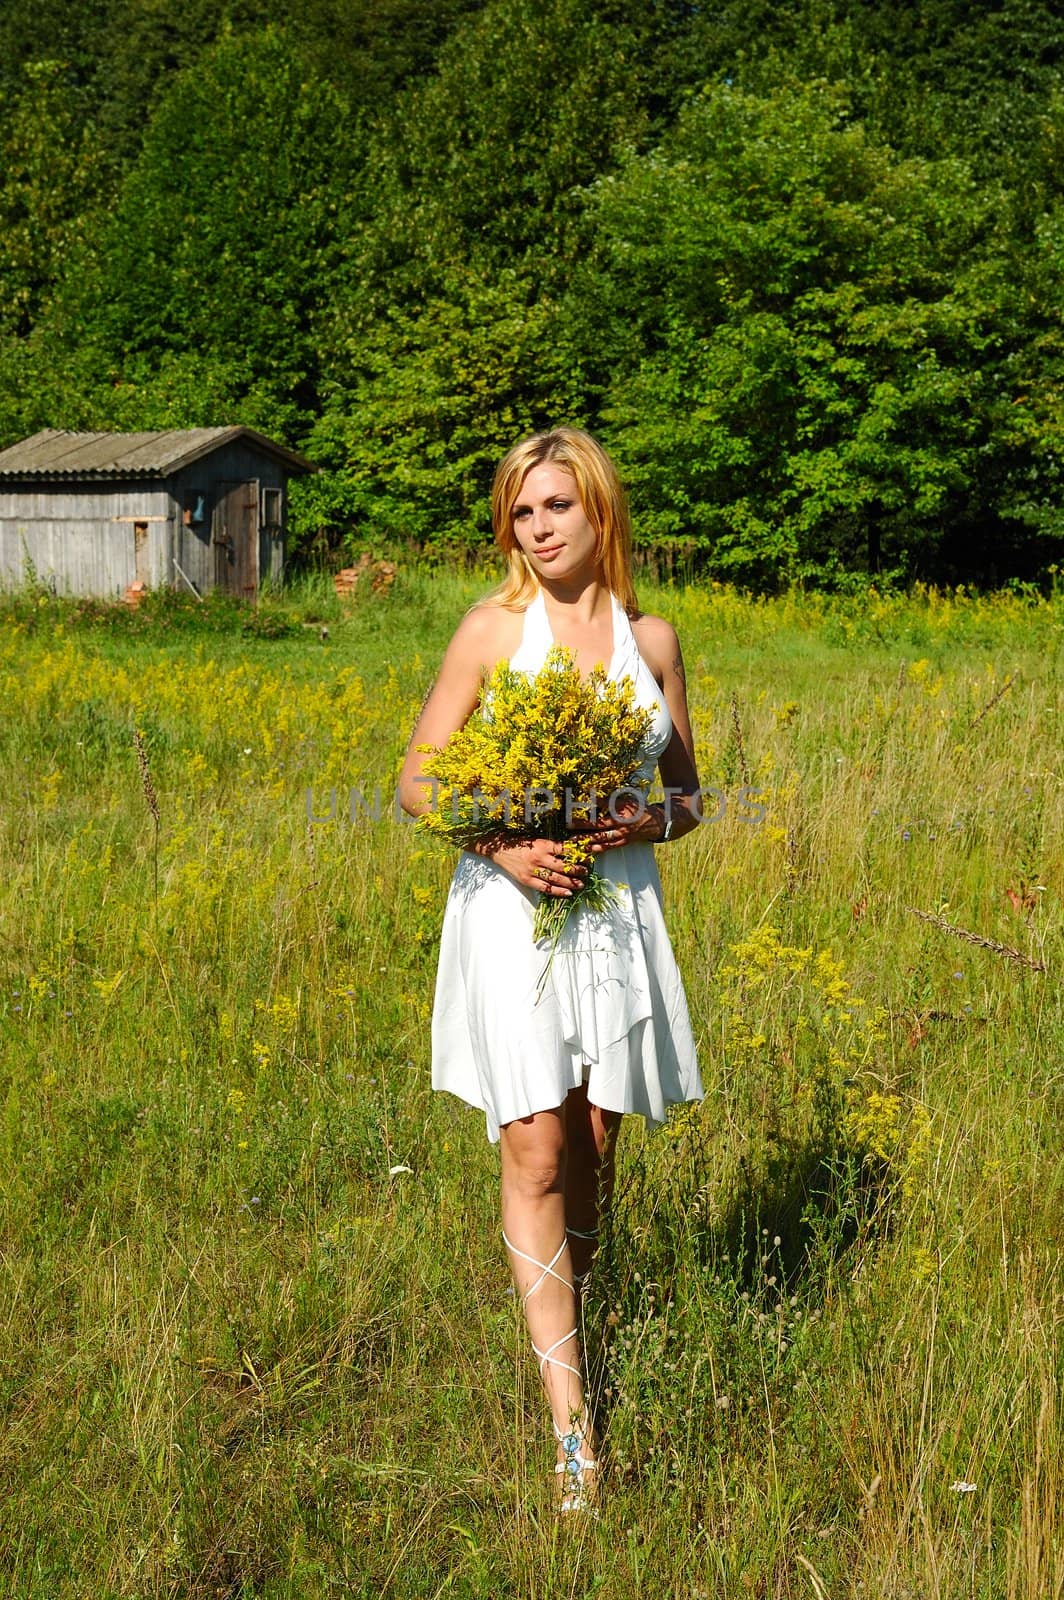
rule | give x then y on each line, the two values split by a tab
799	265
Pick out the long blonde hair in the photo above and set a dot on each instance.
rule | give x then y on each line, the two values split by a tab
601	495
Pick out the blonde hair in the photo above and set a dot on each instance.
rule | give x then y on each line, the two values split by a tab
601	495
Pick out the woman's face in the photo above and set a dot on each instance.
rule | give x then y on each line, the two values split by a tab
550	524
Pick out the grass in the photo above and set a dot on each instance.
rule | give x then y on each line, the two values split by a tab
243	1356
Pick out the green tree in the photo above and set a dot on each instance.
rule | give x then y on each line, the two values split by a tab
791	336
121	55
928	77
444	345
48	182
49	192
213	270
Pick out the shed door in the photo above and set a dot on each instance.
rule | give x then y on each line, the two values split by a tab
235	536
140	552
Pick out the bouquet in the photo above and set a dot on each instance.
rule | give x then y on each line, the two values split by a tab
543	752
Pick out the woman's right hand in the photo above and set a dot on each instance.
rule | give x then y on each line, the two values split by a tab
535	864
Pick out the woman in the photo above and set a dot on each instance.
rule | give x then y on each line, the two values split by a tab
554	1067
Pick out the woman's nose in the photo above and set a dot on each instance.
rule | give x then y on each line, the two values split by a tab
540	522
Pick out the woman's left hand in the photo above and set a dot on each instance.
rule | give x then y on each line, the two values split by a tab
634	824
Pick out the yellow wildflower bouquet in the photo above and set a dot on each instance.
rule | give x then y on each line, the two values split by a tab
543	751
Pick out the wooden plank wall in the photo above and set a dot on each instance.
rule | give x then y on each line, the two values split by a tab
80	537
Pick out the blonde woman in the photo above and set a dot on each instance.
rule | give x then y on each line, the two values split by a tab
554	1071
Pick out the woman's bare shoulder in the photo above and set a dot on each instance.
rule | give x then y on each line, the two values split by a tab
657	640
488	633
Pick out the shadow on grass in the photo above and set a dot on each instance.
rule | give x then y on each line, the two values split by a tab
692	1268
809	1203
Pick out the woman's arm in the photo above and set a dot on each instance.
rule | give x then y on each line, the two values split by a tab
677	766
452	699
482	639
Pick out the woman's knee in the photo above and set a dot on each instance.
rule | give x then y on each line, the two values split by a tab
533	1182
534	1155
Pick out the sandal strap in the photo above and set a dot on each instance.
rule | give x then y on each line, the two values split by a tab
545	1271
580	1278
548	1356
571	1441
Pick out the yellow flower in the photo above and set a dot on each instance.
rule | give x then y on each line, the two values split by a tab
874	1126
925	1265
107	987
533	742
283	1010
49	790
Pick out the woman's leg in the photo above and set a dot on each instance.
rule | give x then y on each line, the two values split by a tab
591	1139
533	1219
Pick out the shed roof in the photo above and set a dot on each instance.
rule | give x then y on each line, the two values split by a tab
55	454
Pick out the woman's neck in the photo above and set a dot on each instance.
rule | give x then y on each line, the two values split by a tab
579	602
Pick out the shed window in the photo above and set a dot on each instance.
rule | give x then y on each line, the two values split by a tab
271	508
195	508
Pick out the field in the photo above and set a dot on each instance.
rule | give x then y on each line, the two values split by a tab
259	1338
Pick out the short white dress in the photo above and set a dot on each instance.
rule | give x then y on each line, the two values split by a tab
612	1011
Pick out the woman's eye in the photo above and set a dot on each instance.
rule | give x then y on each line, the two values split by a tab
560	505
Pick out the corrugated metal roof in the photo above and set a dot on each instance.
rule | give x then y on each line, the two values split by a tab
55	454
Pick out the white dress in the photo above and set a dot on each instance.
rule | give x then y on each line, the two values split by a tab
612	1011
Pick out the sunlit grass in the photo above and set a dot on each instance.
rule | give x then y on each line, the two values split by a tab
242	1356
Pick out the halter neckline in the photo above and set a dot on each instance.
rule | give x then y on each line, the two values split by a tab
619	618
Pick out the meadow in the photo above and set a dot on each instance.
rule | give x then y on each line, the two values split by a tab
259	1337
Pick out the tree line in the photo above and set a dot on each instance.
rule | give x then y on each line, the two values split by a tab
799	265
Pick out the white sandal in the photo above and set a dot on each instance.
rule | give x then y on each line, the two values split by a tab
579	1491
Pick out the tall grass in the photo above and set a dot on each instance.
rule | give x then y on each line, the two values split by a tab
246	1352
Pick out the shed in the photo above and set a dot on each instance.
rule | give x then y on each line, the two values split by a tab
96	513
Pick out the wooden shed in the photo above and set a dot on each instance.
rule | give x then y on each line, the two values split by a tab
106	513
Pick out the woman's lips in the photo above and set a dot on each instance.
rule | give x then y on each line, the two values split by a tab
549	552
